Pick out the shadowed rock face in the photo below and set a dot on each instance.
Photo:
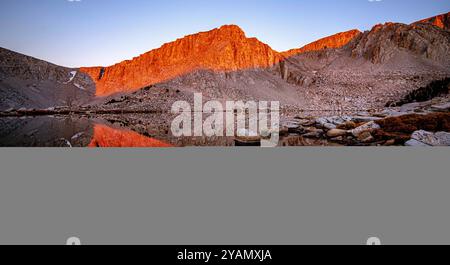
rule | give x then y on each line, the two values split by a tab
335	41
27	82
442	21
223	49
384	41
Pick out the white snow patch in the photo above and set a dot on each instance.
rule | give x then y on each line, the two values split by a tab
78	135
72	76
79	86
67	142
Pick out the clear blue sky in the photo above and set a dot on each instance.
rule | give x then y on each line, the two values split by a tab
103	32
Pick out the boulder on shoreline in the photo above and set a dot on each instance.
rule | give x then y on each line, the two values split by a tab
432	139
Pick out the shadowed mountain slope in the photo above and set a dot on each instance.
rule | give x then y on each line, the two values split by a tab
27	82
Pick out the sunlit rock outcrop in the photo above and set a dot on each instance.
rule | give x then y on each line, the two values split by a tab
223	49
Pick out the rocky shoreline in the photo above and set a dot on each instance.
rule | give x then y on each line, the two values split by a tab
414	124
65	111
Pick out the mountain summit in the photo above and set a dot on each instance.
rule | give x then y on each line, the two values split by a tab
222	49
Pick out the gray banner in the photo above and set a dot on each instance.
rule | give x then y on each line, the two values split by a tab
225	196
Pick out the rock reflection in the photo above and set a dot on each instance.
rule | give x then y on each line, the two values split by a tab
105	136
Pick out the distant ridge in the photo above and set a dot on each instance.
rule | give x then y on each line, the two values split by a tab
442	21
335	41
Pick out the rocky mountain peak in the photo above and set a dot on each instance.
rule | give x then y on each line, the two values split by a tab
231	29
222	49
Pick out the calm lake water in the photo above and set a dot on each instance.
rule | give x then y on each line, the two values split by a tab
108	131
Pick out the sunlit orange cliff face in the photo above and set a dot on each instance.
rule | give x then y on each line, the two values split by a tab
335	41
442	21
223	49
105	136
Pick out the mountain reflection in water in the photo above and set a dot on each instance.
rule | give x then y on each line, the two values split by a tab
111	131
67	131
105	136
